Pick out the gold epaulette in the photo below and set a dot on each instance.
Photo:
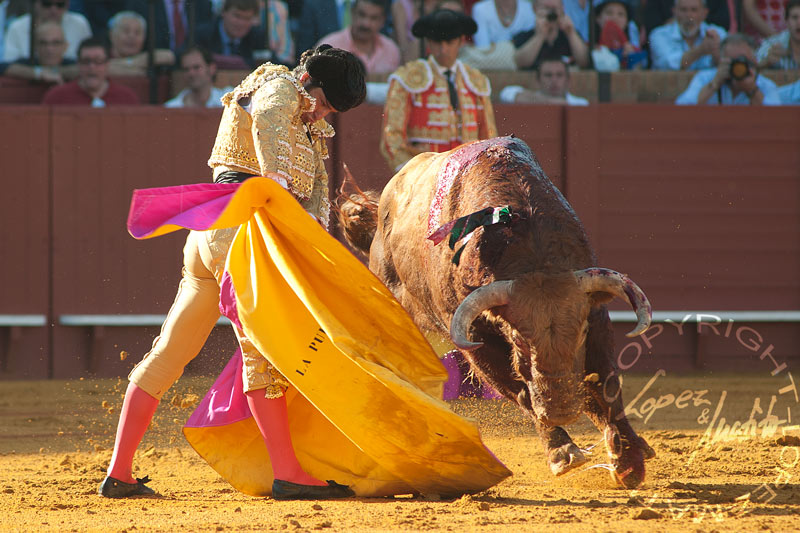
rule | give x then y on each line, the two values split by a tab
253	82
477	82
415	76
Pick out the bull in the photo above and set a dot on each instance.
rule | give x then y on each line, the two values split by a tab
525	302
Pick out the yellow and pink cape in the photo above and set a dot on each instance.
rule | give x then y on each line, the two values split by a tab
364	406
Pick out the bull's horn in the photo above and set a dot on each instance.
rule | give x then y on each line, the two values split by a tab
607	280
492	295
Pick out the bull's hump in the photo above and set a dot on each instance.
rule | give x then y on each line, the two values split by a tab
460	160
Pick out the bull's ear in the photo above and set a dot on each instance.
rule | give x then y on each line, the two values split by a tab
599	298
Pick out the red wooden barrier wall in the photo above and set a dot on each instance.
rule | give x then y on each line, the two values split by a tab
701	206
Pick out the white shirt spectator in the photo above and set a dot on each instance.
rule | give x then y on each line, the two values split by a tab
17	40
491	30
725	94
214	97
667	47
580	18
786	62
509	95
790	94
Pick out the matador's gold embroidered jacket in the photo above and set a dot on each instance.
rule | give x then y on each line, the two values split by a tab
273	137
418	116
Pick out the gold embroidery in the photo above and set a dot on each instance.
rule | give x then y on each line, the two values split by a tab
274	138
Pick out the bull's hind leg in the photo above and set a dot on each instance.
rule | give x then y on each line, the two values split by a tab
493	363
603	403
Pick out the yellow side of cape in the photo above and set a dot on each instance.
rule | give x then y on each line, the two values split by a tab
364	407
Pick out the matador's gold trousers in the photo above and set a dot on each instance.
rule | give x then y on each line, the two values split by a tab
191	318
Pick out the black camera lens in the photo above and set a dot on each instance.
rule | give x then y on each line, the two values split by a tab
552	16
740	68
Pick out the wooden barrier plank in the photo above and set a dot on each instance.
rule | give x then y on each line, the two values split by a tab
25	239
102	156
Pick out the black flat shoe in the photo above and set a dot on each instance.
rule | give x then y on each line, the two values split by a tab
114	488
286	490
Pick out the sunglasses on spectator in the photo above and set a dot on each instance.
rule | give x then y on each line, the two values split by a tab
50	3
90	61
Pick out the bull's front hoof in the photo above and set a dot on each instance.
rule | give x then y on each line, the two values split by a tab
630	473
565	458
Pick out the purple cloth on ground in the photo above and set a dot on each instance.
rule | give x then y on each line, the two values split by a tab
457	385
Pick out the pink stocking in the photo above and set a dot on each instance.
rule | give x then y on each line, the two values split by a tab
272	419
137	411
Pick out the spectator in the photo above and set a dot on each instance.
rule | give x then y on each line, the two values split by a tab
657	13
199	68
616	31
554	34
172	19
49	64
98	12
763	18
92	87
233	36
688	43
75	26
437	104
281	43
379	54
790	94
404	14
317	19
783	50
553	78
501	20
735	81
578	13
126	32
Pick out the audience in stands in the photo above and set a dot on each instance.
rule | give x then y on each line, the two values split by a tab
735	81
10	10
98	12
172	19
48	64
554	34
17	39
783	50
617	33
318	18
234	36
199	68
281	42
501	20
688	43
763	18
92	86
578	13
126	33
657	13
404	14
553	79
364	39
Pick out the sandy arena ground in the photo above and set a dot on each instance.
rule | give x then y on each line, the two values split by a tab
55	441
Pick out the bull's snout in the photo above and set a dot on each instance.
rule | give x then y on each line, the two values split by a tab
555	400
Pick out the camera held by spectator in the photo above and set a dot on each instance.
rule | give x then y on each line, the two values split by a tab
740	68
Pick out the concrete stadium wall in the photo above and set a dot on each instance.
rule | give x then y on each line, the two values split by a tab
700	206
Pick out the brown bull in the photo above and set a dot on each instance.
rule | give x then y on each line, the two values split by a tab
525	291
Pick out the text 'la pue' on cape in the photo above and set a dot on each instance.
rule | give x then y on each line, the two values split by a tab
364	404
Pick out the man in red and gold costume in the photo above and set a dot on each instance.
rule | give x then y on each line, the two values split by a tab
438	103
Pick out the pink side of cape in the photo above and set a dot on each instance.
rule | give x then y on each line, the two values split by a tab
195	207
